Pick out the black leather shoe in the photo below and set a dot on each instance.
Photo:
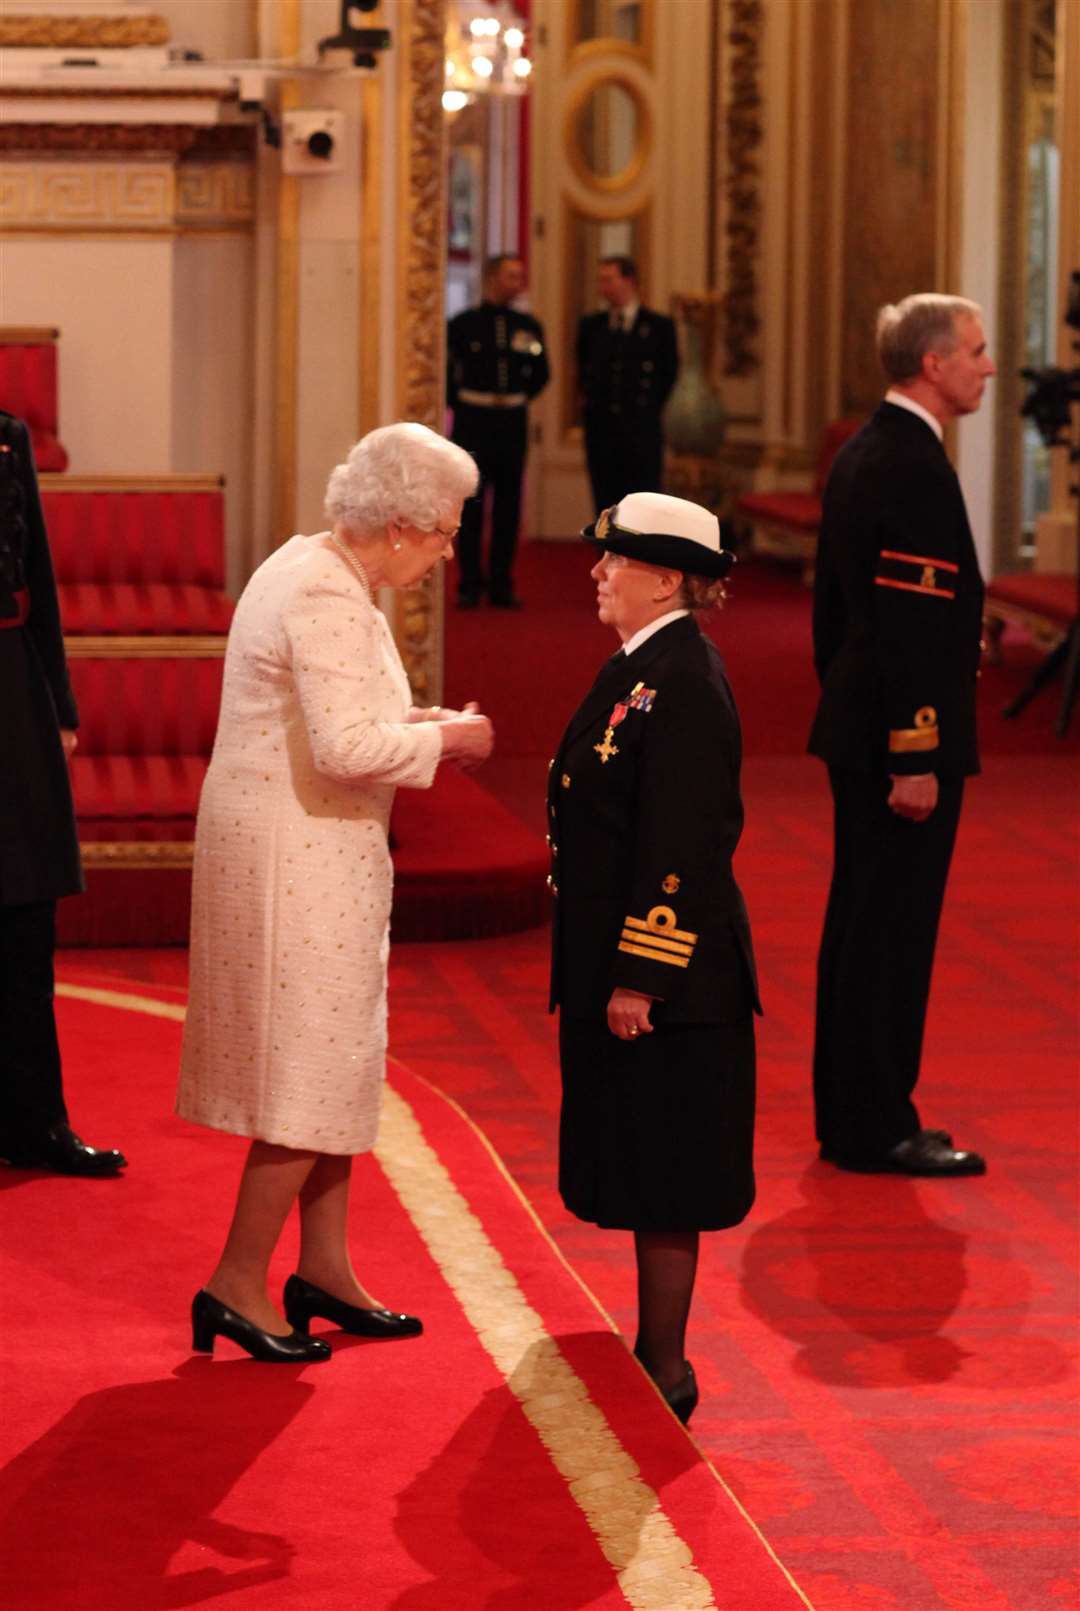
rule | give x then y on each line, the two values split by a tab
211	1318
469	597
303	1302
506	601
65	1153
927	1154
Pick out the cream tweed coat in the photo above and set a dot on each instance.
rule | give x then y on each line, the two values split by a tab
285	1036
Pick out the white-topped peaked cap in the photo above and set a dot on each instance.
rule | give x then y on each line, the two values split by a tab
661	530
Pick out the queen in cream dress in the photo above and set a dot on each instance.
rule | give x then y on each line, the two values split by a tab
285	1039
286	1030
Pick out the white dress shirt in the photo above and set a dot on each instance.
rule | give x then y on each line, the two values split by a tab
654	626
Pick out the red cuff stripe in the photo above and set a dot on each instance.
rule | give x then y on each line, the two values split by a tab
920	559
913	587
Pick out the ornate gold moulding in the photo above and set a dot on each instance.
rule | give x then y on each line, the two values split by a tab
193	142
64	33
56	194
135	853
187	647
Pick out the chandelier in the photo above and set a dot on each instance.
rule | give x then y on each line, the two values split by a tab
485	52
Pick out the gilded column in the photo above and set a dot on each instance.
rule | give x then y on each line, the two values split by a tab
421	29
1055	531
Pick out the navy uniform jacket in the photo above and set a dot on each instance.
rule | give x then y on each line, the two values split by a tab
642	841
39	849
627	375
897	607
493	348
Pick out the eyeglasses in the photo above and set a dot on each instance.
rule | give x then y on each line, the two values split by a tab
445	534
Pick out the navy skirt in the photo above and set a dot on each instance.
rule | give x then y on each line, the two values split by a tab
657	1133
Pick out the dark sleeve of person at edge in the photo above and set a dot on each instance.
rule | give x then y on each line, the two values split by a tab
897	608
39	855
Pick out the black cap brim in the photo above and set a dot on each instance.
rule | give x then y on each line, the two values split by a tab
660	548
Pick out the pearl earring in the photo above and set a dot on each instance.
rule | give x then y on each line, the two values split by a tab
396	547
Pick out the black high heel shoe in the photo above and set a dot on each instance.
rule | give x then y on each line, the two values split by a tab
683	1398
211	1318
304	1301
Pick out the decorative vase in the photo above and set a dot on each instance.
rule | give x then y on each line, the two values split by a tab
695	418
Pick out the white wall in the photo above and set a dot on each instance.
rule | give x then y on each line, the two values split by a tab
219	28
213	375
112	302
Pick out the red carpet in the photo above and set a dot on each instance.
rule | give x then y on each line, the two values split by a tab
888	1367
515	1455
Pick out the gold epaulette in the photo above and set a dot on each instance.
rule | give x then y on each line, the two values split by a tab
656	938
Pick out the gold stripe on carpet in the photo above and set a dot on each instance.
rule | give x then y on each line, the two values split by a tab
119	998
655	1568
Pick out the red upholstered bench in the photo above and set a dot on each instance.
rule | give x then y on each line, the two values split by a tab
138	557
147	726
28	389
1041	604
786	522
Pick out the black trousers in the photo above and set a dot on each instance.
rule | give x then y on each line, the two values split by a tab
31	1086
622	458
875	962
497	438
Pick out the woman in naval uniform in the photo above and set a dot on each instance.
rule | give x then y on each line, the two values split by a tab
652	965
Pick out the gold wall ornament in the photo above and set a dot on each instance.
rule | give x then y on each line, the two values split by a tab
598	124
421	319
742	186
215	195
40	196
62	33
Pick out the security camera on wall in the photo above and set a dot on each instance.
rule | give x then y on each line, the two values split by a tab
364	43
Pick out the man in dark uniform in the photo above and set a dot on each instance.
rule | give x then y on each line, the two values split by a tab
39	850
627	359
497	363
897	620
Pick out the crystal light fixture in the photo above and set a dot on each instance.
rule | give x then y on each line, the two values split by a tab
485	52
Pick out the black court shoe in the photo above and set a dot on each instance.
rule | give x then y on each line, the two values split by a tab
303	1302
211	1318
683	1397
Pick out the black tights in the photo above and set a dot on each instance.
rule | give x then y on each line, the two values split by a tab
666	1265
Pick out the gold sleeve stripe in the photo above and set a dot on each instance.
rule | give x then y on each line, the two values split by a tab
660	928
920	559
635	937
913	587
655	956
903	740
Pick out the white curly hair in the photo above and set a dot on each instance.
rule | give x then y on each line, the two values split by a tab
399	472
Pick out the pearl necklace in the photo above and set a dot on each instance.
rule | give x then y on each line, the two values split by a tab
354	565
